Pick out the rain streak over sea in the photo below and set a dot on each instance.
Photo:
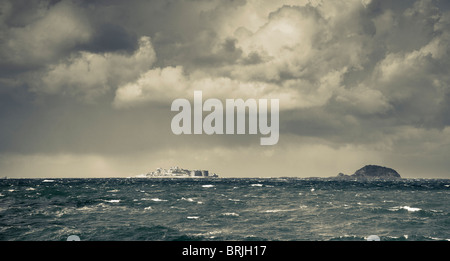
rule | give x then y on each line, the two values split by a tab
282	209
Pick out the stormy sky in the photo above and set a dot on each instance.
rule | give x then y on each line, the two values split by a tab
86	86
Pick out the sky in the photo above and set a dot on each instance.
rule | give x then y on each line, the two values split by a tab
86	87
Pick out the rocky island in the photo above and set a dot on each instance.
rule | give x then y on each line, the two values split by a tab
372	172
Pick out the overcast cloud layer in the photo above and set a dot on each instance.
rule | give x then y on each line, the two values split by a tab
86	86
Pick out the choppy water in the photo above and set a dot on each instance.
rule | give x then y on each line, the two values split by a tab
224	209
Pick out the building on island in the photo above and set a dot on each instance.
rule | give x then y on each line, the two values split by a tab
175	172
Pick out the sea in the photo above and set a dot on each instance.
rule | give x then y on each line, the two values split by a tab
223	209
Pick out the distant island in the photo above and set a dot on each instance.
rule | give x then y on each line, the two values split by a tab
372	172
176	172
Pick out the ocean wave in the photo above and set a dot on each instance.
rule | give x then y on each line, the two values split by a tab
412	238
278	210
233	214
238	211
364	204
188	199
85	209
408	208
210	234
348	238
113	201
158	199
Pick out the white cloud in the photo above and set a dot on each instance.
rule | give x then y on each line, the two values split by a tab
90	75
170	83
154	85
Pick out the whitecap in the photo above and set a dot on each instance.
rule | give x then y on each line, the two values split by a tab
192	217
279	210
113	201
101	205
256	185
230	214
187	199
364	204
48	180
274	210
113	191
157	199
148	208
85	208
30	189
408	208
210	234
207	186
312	190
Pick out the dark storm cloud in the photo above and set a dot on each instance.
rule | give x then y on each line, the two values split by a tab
110	38
35	35
40	33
